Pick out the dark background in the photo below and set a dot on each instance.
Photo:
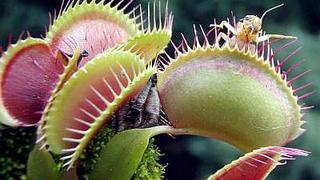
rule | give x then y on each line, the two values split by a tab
196	157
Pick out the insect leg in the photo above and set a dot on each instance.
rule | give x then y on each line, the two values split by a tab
63	57
274	36
225	24
83	54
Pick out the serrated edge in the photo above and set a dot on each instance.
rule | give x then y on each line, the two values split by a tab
76	152
7	56
263	61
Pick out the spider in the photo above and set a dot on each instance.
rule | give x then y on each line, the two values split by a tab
248	31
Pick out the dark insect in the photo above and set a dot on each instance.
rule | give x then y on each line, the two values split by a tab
64	57
143	111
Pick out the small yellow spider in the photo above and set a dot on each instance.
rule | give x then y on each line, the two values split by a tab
248	30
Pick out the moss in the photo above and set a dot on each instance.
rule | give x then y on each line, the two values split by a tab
149	167
91	153
15	146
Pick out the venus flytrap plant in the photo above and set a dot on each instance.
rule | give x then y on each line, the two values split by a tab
23	94
262	103
237	94
92	92
257	164
60	45
90	97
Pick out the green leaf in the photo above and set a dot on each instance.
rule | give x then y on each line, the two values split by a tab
121	156
40	165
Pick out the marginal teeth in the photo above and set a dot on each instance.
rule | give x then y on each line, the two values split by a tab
307	107
94	106
124	73
42	137
88	114
84	70
100	95
117	78
127	5
43	146
255	159
66	157
69	150
133	70
110	88
67	163
139	69
76	131
82	121
73	140
250	164
268	157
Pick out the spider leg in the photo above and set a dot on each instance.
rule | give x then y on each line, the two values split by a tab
273	36
223	36
225	24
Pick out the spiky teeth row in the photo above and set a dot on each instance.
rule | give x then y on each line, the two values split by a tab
92	26
81	27
89	99
70	67
229	93
155	35
258	164
95	27
29	71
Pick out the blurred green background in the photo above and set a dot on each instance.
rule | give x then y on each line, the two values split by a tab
195	157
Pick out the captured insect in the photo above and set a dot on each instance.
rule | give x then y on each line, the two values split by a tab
142	111
248	31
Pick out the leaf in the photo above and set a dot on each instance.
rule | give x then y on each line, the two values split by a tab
257	164
40	165
121	156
